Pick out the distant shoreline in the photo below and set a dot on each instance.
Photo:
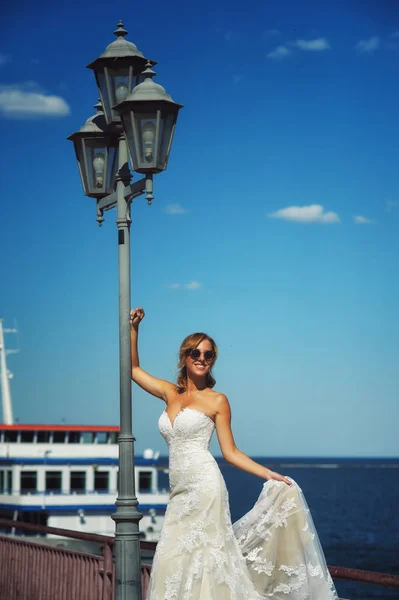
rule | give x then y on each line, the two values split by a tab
324	465
318	463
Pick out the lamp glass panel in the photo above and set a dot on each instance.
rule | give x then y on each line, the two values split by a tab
127	128
115	85
131	127
98	164
102	80
148	138
96	160
112	167
144	133
167	128
79	151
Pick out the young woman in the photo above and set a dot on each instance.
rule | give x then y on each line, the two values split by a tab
273	552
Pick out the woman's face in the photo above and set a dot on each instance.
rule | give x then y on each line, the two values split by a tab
200	366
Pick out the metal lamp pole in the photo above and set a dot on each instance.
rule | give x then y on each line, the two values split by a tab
136	119
127	538
126	517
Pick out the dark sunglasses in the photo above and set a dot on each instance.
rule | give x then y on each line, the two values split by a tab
208	354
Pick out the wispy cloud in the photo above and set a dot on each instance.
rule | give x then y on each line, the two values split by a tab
360	220
192	286
27	100
233	35
390	205
63	86
368	46
175	209
4	59
316	45
271	33
237	78
314	213
393	41
279	53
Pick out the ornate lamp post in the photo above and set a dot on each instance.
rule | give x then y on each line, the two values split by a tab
136	117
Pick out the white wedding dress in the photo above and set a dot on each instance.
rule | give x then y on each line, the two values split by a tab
273	552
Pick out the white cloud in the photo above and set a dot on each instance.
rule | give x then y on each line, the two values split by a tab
4	59
359	220
192	285
314	213
316	45
175	209
279	53
28	100
368	46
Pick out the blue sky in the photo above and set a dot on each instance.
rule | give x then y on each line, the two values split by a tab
274	229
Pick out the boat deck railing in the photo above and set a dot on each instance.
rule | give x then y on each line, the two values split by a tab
36	570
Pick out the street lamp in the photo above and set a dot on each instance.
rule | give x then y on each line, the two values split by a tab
117	71
134	112
149	118
96	151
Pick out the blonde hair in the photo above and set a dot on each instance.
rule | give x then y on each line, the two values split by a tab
189	343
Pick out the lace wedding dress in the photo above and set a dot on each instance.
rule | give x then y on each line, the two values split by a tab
273	552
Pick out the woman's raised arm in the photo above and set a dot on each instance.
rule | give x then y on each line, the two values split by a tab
152	385
229	449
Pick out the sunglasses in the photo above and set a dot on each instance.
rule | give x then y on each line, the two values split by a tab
208	354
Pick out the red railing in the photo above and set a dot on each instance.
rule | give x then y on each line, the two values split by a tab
34	571
385	579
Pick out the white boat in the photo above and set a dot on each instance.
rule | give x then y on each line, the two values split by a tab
67	475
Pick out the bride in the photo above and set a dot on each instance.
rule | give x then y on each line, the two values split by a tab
273	552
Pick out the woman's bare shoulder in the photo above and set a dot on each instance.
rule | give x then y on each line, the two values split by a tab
213	394
219	401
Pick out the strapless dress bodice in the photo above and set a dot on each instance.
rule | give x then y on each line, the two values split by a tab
191	430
